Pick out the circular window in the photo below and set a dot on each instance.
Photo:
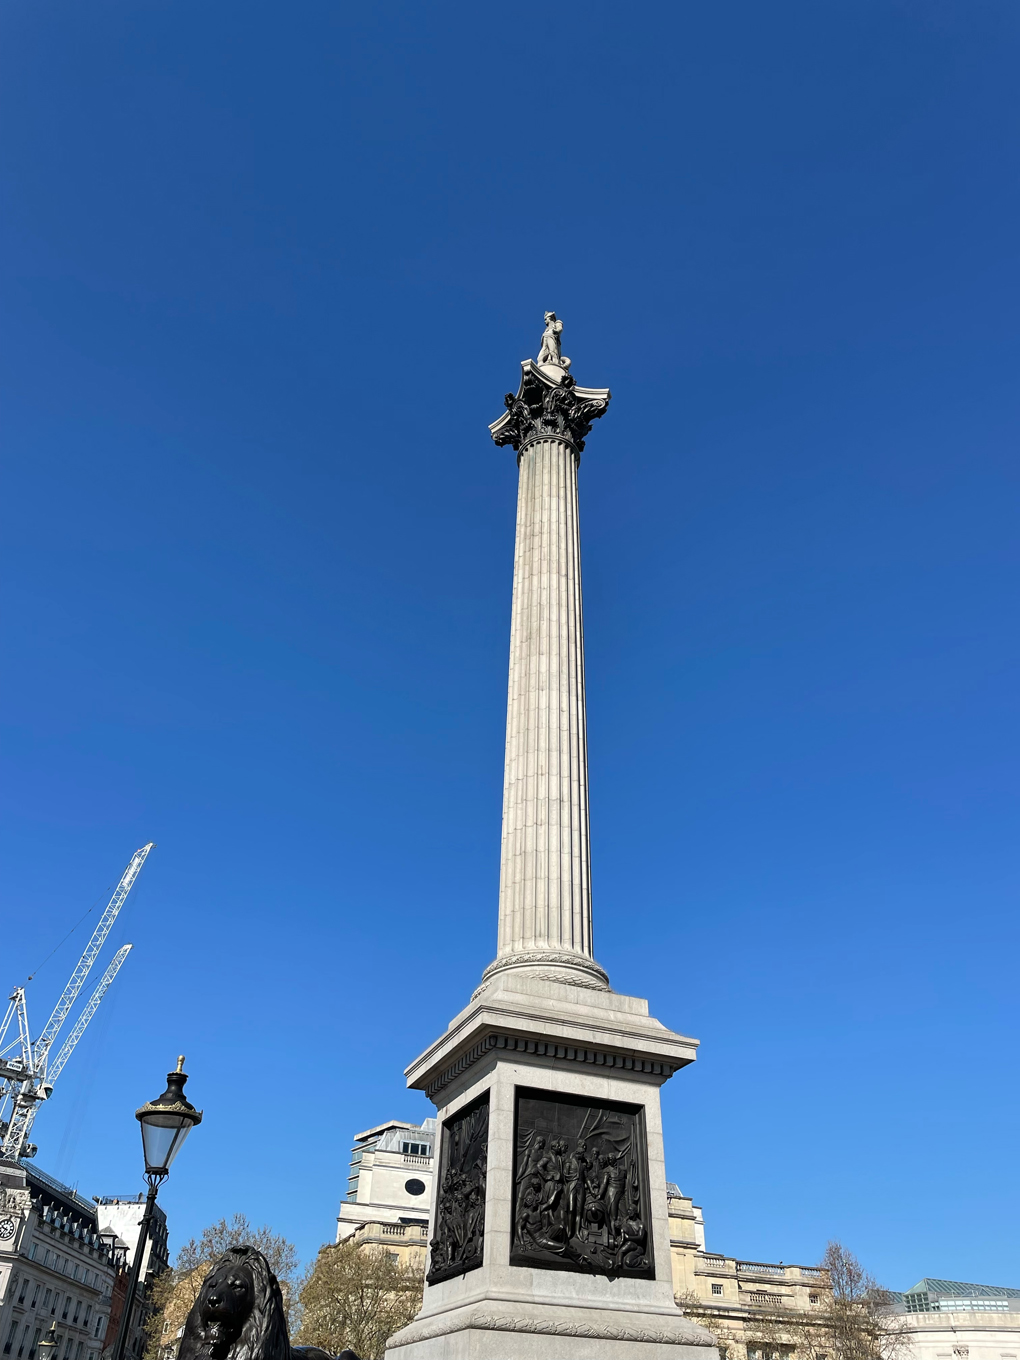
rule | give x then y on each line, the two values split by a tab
414	1187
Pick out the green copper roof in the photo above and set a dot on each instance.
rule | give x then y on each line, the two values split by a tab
955	1289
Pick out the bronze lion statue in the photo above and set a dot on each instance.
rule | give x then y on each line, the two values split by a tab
239	1315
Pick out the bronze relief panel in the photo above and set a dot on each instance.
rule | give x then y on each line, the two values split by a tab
580	1186
459	1236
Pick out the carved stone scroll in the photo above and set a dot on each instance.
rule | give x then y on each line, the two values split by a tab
581	1187
459	1239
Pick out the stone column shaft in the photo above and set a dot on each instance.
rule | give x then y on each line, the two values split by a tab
545	873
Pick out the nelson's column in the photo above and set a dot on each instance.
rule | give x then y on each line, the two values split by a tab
550	1238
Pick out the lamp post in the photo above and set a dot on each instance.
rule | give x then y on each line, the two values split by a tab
166	1122
47	1348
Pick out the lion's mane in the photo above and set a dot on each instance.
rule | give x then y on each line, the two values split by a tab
264	1334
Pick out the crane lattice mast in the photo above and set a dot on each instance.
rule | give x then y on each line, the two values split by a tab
26	1075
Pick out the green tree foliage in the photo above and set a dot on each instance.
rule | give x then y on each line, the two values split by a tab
355	1298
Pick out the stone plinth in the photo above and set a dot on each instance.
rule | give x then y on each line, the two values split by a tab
551	1040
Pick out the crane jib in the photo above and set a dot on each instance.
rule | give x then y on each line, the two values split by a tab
27	1080
88	958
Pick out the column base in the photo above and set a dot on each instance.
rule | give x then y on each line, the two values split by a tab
505	1329
550	965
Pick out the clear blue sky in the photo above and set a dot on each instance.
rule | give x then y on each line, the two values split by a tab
267	273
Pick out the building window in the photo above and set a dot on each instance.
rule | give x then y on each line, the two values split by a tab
78	1350
55	1304
88	1314
9	1343
24	1338
35	1342
77	1311
35	1296
24	1290
67	1307
812	1298
415	1149
717	1289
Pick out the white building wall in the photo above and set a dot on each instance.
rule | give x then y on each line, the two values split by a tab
384	1172
965	1335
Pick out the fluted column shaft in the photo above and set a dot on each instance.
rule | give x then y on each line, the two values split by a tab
545	874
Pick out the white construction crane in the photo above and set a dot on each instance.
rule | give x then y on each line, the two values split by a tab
26	1073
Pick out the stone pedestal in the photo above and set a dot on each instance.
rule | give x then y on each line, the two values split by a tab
527	1045
549	1222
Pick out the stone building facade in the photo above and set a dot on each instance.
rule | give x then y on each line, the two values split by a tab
951	1320
57	1271
120	1224
747	1305
389	1190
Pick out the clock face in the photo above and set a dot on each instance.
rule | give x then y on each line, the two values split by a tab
7	1229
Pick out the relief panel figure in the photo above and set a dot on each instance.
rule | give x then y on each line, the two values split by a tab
581	1187
459	1239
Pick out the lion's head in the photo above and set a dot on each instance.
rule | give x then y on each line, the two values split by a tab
238	1313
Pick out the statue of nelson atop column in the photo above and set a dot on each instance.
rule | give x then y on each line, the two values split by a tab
550	351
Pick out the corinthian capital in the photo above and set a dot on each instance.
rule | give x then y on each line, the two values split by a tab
549	405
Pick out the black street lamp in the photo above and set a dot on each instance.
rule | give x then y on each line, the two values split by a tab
47	1348
166	1122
